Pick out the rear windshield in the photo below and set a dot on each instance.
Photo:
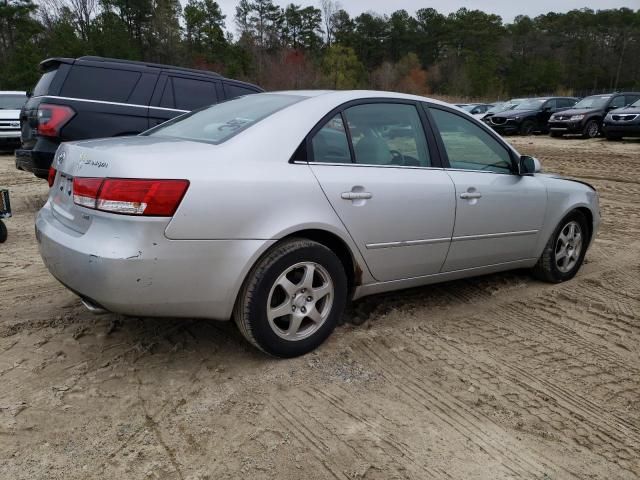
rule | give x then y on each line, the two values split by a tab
42	87
220	122
12	102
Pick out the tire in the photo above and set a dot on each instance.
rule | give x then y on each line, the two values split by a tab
552	266
527	127
263	297
3	232
591	129
555	134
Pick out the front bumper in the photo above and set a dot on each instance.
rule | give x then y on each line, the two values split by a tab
9	135
566	127
622	130
505	128
126	265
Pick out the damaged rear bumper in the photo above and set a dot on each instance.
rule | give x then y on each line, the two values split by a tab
136	270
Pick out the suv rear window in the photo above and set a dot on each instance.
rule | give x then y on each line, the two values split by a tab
42	87
220	122
96	83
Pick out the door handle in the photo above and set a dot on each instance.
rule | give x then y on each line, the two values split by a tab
356	195
470	195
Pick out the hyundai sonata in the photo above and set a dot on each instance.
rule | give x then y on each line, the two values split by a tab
276	209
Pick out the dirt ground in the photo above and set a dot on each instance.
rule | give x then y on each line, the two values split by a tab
490	378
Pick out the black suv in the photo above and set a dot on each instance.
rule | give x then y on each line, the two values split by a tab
529	116
586	117
92	97
622	122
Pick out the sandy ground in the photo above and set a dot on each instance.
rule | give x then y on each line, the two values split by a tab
496	377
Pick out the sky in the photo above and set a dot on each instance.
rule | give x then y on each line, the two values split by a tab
507	9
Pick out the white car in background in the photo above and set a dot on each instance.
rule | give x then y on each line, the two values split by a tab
10	105
476	110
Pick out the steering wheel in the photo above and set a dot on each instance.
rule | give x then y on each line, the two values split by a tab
396	157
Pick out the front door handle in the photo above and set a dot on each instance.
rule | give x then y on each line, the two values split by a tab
356	195
470	195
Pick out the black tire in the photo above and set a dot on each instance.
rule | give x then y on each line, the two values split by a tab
3	232
527	127
250	313
591	129
555	134
547	268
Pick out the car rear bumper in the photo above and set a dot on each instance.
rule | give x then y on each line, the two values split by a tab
34	161
128	266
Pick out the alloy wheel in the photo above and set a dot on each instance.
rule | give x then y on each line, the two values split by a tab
568	246
300	301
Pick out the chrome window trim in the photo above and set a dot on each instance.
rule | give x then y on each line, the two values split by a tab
106	102
366	165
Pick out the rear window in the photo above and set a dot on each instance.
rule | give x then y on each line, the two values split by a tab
96	83
220	122
42	87
12	102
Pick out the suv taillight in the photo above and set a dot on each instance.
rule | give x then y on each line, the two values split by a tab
51	118
51	177
158	198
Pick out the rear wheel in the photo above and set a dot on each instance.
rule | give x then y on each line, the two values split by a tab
591	129
564	253
292	299
527	128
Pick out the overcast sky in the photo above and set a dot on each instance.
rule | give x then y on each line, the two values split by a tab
507	9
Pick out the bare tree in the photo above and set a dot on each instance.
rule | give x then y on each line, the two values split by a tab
83	11
329	9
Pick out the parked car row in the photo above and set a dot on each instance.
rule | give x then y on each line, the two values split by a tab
615	115
93	97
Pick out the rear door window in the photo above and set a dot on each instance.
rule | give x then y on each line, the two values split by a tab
190	94
96	83
233	91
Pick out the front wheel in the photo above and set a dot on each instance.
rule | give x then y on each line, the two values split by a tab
564	253
292	299
527	128
591	129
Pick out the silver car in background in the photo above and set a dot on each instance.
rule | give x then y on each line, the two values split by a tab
276	209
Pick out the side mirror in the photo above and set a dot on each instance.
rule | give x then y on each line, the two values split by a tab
528	165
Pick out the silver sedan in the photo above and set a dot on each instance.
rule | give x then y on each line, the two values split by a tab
276	209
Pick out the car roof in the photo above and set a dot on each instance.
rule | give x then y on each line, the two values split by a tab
50	62
349	95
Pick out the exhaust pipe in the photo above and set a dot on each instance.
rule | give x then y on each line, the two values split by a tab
93	307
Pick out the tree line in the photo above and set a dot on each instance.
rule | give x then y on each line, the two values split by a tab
467	53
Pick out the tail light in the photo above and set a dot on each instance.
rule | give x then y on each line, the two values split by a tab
51	118
51	177
159	198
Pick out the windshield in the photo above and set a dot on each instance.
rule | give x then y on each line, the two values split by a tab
530	105
12	102
468	108
592	102
220	122
636	104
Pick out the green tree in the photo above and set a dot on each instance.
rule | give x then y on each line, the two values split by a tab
341	68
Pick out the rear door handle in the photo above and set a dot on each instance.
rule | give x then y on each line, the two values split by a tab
356	195
470	195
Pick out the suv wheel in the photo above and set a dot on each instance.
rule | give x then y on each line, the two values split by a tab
292	299
564	253
591	129
527	128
